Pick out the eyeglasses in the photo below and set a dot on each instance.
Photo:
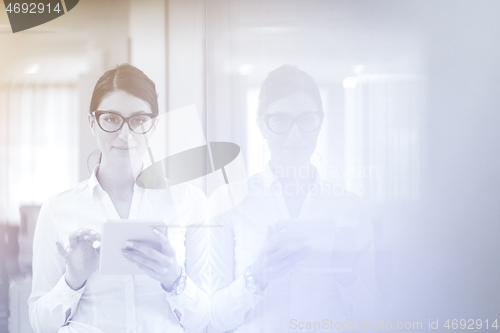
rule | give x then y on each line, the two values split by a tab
112	122
306	122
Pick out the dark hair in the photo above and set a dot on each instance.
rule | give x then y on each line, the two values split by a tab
284	81
129	79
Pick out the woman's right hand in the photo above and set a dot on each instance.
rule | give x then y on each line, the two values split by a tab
82	259
282	250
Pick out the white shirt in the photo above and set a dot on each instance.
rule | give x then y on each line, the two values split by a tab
310	297
116	303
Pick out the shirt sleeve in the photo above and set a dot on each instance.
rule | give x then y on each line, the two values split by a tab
231	301
192	306
52	302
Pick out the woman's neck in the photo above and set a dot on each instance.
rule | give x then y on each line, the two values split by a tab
117	180
295	183
300	172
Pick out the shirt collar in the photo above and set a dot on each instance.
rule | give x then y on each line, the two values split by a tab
93	182
270	178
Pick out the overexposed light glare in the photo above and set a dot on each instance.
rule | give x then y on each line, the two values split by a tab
350	82
358	69
32	69
245	69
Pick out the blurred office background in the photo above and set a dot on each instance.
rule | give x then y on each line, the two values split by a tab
411	122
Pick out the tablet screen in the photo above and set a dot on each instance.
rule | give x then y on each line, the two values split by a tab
115	233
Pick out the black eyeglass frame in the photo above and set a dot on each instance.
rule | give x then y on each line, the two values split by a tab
97	114
294	120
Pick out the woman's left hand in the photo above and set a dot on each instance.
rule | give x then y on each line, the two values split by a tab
159	263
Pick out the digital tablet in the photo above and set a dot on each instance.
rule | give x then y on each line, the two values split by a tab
114	235
319	236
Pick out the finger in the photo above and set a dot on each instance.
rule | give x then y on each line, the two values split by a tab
269	235
88	233
291	260
82	234
146	269
73	238
286	263
286	241
290	231
146	250
288	253
275	238
166	247
145	261
92	236
281	271
302	254
281	268
278	225
62	251
95	238
286	236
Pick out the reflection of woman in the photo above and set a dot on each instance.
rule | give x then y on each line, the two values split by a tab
256	286
69	294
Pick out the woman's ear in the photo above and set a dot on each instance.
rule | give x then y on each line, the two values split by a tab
262	127
155	124
92	123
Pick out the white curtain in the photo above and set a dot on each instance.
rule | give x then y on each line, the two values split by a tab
383	134
38	144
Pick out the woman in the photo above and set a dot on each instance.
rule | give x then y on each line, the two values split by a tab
69	294
258	284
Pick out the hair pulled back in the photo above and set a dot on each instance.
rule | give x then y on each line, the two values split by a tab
284	81
129	79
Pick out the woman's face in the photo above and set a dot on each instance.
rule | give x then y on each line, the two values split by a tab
124	146
295	146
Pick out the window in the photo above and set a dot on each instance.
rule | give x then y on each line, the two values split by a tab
38	145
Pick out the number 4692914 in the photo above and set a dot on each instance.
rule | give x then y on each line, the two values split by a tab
31	8
469	324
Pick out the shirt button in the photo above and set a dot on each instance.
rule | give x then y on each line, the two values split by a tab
129	307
